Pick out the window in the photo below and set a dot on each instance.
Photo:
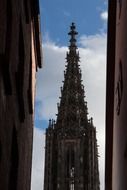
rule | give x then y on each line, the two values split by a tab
26	10
120	7
5	58
30	101
20	76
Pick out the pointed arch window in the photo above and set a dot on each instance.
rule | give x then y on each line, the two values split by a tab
70	159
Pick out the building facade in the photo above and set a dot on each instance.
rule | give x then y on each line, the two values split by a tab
71	155
116	101
20	57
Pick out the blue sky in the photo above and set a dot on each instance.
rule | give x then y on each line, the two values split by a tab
90	17
57	15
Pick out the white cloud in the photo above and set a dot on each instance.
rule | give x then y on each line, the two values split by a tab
93	62
104	15
49	79
38	160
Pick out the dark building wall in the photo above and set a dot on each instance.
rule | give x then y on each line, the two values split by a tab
116	123
20	56
110	92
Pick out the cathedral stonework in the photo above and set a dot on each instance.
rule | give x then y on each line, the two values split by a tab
71	153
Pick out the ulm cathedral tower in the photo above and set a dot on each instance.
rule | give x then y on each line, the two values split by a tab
71	154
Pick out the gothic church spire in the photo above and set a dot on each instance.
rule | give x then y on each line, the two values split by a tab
72	110
71	154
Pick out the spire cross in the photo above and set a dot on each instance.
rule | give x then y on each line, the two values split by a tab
72	33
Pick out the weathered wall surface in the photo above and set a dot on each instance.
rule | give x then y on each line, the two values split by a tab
17	78
116	116
120	101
